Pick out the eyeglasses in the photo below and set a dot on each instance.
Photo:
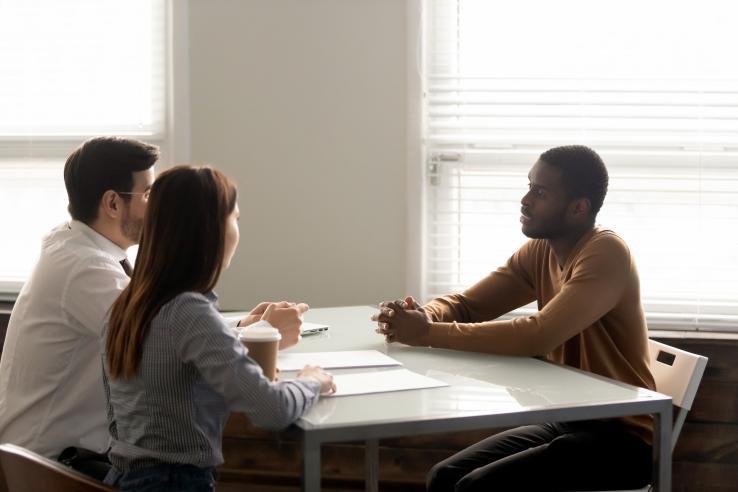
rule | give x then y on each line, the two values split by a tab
144	193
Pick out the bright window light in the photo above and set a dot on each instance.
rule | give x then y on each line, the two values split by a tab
75	67
651	86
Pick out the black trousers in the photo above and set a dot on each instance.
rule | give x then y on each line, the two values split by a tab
593	455
94	465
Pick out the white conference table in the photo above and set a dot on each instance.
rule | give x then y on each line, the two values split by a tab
485	391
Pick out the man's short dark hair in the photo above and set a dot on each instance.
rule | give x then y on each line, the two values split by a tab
101	164
583	173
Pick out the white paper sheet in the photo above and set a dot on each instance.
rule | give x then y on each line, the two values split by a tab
382	382
334	360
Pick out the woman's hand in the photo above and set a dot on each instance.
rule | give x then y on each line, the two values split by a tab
285	317
327	386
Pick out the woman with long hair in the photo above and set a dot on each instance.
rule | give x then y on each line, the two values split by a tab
173	368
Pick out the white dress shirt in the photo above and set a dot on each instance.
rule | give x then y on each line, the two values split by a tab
51	389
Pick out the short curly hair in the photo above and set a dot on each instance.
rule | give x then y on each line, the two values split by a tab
583	173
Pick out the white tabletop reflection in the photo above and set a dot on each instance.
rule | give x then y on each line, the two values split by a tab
479	383
484	391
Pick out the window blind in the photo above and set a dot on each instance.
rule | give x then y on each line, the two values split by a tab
504	81
82	67
69	70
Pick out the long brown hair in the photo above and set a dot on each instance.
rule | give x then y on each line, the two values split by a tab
181	250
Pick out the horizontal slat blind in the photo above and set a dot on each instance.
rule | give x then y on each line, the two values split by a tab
669	138
32	202
82	67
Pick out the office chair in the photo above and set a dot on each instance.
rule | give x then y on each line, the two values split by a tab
677	373
26	471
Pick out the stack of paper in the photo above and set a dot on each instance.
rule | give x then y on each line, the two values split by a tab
382	381
294	361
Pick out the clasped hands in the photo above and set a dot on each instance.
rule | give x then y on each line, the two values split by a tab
403	321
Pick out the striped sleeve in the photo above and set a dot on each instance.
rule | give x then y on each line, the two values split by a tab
201	337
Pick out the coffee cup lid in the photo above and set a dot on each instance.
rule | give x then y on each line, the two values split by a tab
260	334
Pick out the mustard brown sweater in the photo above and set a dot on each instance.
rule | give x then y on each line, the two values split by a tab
589	312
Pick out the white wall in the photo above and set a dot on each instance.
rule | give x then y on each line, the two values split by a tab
304	104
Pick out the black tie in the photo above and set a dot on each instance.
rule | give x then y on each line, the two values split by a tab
126	266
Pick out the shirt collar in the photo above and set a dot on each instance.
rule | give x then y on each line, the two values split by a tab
100	241
212	297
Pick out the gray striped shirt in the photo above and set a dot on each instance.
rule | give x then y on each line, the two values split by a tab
193	373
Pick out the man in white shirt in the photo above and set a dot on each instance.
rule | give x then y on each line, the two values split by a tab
51	390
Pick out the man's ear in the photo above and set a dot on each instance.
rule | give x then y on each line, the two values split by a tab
110	204
581	207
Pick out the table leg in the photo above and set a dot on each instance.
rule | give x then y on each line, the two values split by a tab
372	465
310	464
662	450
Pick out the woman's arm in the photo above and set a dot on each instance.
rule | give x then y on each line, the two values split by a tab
203	339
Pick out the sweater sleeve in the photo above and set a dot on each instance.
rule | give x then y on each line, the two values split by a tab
598	279
507	288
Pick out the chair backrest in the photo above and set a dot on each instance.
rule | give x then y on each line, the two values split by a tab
26	471
678	374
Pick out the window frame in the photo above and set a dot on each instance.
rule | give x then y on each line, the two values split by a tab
422	161
173	140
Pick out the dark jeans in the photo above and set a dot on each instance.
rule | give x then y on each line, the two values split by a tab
595	455
164	478
92	464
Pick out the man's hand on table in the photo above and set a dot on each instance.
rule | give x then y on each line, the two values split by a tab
284	316
403	321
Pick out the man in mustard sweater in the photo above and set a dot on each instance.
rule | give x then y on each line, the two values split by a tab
586	285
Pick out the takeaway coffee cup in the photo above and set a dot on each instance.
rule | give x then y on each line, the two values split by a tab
263	345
